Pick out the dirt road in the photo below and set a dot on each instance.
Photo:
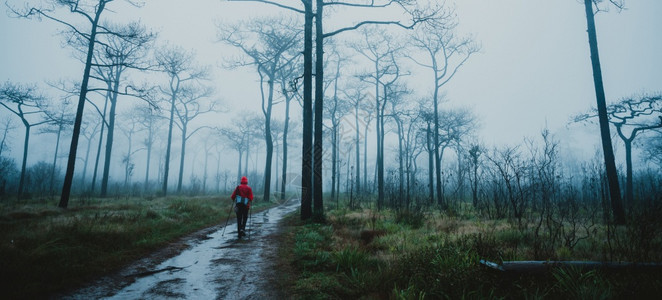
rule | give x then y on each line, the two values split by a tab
213	266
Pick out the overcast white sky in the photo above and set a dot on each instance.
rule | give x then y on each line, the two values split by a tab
533	70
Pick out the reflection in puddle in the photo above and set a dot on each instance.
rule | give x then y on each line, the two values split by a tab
218	267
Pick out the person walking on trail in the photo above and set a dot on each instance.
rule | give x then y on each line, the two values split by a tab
243	197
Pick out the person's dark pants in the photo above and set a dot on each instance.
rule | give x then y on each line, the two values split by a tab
242	218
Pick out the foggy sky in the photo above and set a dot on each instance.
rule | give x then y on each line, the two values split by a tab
533	70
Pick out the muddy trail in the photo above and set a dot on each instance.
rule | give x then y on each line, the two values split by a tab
212	266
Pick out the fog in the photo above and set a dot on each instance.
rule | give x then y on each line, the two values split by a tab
533	72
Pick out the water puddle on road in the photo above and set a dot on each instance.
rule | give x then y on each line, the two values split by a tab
219	267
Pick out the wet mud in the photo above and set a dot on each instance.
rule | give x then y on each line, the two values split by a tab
216	265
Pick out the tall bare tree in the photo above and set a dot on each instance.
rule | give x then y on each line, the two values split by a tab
191	104
129	127
118	54
631	116
271	44
89	130
379	48
446	53
287	78
27	104
411	9
355	95
398	113
61	120
150	121
475	151
610	163
238	136
412	144
8	126
180	69
90	12
336	109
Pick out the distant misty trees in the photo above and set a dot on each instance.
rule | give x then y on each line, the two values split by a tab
90	13
276	49
27	104
446	53
631	116
312	150
181	72
111	52
365	124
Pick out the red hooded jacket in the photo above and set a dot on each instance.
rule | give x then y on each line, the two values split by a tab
243	190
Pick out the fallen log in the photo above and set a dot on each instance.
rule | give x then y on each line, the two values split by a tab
537	266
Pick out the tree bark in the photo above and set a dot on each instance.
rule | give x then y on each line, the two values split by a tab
166	169
150	142
307	153
111	134
430	163
69	176
318	204
437	154
358	150
629	192
57	147
98	156
365	157
21	184
268	139
181	158
610	164
286	127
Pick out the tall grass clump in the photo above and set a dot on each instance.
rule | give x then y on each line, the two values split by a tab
44	251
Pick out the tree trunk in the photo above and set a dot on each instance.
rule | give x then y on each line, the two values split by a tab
149	156
111	133
21	183
629	192
380	152
306	160
166	169
365	157
474	190
181	159
204	176
334	160
435	135
269	142
247	151
430	163
127	165
318	204
98	156
283	177
358	150
87	159
401	172
610	164
57	147
239	167
69	176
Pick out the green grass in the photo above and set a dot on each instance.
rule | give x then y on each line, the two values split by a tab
427	254
45	250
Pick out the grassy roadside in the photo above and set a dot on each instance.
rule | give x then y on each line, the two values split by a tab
44	250
417	255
